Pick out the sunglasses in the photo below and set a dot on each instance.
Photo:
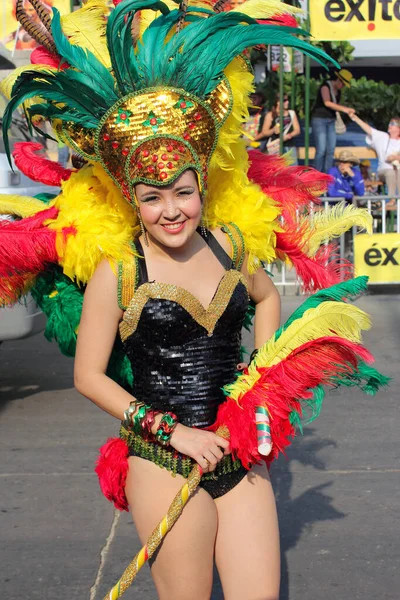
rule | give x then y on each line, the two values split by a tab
394	123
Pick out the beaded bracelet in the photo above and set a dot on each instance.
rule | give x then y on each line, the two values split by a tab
141	422
129	412
147	423
166	428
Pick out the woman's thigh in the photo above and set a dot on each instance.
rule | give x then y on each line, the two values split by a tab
183	566
247	546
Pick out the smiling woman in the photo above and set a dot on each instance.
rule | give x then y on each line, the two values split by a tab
153	253
170	210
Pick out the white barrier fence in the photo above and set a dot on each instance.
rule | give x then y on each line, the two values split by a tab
385	220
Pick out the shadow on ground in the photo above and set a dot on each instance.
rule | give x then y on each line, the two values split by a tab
45	369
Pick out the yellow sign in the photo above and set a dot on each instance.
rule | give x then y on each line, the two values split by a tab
378	256
355	19
15	37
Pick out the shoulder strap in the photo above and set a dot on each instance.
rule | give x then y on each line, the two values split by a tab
237	241
128	278
218	251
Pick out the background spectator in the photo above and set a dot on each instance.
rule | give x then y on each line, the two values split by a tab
348	181
323	118
387	148
255	121
291	128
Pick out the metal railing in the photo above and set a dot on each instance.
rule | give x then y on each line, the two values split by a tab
384	221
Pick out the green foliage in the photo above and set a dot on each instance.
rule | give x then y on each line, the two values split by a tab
375	101
341	51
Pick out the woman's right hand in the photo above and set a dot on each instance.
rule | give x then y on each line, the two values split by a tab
205	447
351	112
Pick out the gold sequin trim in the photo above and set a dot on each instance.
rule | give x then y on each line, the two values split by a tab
206	317
127	281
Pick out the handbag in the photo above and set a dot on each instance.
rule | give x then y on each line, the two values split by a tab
340	127
273	146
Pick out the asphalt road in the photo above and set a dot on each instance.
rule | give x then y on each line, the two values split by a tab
337	494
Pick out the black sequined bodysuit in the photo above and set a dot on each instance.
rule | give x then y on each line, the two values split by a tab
181	355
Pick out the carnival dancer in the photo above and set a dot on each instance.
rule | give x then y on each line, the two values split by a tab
166	228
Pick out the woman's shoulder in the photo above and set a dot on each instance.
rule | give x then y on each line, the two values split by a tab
222	237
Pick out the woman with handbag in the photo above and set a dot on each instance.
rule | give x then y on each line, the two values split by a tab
326	121
270	129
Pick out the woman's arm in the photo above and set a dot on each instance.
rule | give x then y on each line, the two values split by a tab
268	304
367	128
296	129
266	130
96	337
326	97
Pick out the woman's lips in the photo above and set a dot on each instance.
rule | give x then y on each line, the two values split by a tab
173	228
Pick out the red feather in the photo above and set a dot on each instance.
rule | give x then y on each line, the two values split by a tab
39	168
42	56
287	20
26	246
280	389
112	469
293	188
317	272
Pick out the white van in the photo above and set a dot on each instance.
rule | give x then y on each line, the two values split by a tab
24	318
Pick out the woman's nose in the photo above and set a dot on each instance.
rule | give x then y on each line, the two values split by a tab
171	209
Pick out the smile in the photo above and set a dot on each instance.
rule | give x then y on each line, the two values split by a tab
173	227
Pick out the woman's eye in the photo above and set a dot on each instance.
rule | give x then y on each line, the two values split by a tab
185	192
150	199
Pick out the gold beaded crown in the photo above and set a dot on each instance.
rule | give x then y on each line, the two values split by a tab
153	136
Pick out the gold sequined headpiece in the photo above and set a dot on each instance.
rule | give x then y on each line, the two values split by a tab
144	97
154	136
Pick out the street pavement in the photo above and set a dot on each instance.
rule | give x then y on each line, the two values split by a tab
337	491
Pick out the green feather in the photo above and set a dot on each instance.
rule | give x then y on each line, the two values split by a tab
115	25
311	409
51	111
211	44
45	197
84	60
365	377
63	310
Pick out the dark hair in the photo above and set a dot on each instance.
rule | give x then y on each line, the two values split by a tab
274	109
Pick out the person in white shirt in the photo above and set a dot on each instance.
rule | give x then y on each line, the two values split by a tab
387	148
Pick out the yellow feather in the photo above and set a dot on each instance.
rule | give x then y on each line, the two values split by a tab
265	9
103	221
331	224
231	196
86	27
329	319
21	206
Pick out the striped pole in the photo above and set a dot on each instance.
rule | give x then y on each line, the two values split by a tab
264	441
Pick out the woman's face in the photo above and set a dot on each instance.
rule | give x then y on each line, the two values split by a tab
394	129
171	213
